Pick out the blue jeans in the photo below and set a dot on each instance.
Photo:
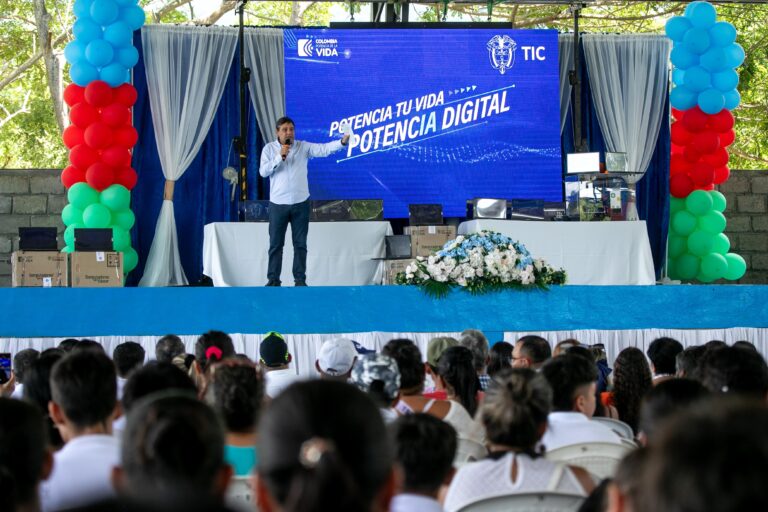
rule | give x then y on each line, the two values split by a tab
279	217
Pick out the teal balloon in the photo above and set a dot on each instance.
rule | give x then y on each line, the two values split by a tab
83	73
676	27
722	34
71	215
116	197
125	219
698	202
719	202
97	216
682	58
82	195
714	265
74	52
128	56
119	34
676	204
696	40
702	15
85	30
687	266
736	267
722	244
104	12
713	60
130	259
734	55
711	101
69	234
114	74
712	222
82	8
68	248
684	223
134	16
697	79
700	242
99	53
726	80
121	238
683	98
732	99
678	76
676	246
689	8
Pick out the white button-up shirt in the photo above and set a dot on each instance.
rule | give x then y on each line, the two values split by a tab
288	182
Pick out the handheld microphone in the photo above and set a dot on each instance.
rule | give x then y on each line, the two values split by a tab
288	142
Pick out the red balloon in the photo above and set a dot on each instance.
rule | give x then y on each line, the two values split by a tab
100	176
708	187
706	142
126	137
695	120
72	136
680	185
677	150
126	95
721	175
722	121
679	165
74	94
702	174
82	156
98	93
83	115
116	115
116	157
691	153
71	175
677	114
680	135
727	138
98	136
126	177
717	159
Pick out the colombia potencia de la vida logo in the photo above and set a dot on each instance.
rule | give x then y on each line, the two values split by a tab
501	52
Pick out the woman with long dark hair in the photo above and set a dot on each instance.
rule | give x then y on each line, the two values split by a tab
501	357
631	380
457	376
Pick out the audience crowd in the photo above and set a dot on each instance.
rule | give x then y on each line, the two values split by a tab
464	425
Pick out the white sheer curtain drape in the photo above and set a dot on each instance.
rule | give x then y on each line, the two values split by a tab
628	76
264	55
186	71
565	54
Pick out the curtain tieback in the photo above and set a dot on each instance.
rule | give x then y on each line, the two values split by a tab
168	191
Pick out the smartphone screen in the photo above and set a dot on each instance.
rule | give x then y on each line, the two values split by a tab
5	367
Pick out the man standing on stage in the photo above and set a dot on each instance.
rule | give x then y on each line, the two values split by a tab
284	161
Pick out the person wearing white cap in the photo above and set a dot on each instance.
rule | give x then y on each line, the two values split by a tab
336	358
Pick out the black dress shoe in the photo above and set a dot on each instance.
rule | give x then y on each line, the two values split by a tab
273	283
300	283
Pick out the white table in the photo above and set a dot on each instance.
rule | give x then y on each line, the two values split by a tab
339	253
595	253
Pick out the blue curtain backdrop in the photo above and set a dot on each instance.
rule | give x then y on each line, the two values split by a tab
653	189
201	195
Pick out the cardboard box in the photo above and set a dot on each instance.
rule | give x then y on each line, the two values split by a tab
428	239
97	269
39	268
394	267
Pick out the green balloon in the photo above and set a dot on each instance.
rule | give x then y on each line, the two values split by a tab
116	197
671	270
676	204
698	202
68	248
121	238
704	278
718	201
71	215
736	267
713	222
677	245
124	219
714	265
684	223
701	242
130	259
722	244
97	216
82	195
69	234
687	266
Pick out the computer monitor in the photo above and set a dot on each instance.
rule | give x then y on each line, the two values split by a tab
616	162
583	163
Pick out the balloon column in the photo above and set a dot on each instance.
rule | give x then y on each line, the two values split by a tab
704	57
101	135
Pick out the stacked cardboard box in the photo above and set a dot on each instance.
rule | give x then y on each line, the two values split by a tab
428	239
97	269
394	267
39	268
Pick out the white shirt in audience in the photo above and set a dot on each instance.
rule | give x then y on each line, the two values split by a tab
278	380
414	503
465	426
82	472
18	392
120	386
567	428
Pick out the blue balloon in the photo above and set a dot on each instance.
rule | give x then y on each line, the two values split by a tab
697	40
722	34
682	58
126	3
711	101
678	76
119	34
683	98
114	74
702	15
734	55
83	73
725	80
689	8
697	79
82	8
732	99
74	52
128	57
104	12
676	27
99	53
713	60
85	30
134	16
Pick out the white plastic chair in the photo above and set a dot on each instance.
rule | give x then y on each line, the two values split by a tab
600	459
468	450
240	495
622	429
528	502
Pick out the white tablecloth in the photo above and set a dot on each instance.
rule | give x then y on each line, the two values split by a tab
598	253
339	253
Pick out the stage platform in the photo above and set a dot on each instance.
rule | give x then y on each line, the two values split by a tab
78	312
